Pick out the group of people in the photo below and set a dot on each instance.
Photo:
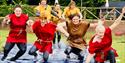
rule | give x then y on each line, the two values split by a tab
50	21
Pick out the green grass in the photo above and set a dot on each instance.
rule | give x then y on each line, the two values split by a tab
4	33
117	42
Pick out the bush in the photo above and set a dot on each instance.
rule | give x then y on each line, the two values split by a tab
4	10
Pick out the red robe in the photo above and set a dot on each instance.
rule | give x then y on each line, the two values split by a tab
101	49
44	33
17	32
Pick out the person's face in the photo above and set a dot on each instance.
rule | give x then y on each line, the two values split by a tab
100	33
18	11
43	2
57	7
72	6
75	20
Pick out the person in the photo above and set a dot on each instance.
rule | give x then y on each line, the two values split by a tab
44	31
43	9
56	20
76	30
100	44
71	10
17	34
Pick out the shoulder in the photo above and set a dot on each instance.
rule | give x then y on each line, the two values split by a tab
37	7
51	23
11	15
77	8
85	22
49	7
66	8
25	15
108	30
36	23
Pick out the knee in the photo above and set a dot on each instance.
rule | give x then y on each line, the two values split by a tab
6	48
111	52
23	50
31	52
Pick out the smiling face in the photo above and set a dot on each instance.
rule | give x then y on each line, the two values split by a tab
100	31
43	2
72	6
18	11
76	20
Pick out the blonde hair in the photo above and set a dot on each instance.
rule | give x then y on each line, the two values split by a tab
71	3
100	26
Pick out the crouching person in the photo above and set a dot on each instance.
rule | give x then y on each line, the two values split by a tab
44	31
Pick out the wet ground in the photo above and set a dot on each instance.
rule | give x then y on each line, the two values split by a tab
57	56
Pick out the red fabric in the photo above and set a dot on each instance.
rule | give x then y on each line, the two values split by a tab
44	46
102	47
45	33
17	32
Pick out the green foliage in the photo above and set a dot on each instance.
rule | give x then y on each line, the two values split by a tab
4	10
7	9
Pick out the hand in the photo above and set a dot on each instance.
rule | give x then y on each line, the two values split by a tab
97	39
6	20
7	17
123	10
62	19
30	22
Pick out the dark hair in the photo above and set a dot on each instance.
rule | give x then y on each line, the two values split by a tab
73	15
43	0
17	6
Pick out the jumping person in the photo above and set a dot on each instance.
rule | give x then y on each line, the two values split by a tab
17	34
44	31
71	10
75	31
100	44
56	20
44	9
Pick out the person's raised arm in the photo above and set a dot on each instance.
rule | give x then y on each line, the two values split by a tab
6	20
61	27
30	24
118	20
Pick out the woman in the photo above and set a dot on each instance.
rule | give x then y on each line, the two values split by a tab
17	34
44	9
44	31
71	10
56	20
76	30
100	44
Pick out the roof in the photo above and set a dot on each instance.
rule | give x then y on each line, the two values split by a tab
116	4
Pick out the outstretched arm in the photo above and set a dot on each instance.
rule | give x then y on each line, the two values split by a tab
6	20
118	20
60	27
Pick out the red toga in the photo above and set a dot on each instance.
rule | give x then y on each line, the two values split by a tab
44	33
101	49
17	32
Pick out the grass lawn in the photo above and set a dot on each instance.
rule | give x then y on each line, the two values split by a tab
118	43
